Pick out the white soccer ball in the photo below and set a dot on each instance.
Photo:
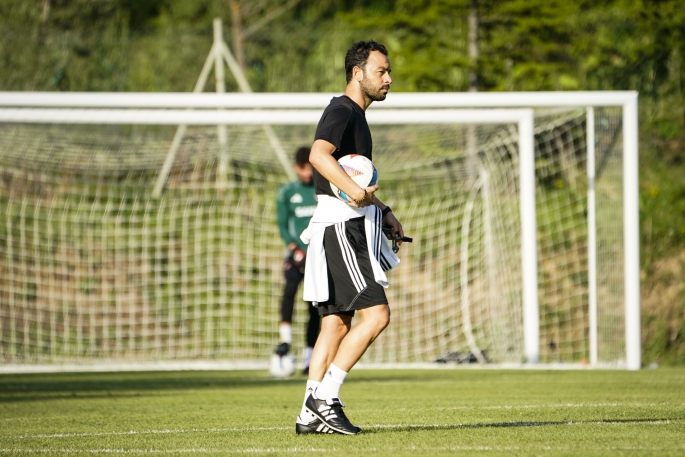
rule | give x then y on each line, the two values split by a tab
360	169
282	366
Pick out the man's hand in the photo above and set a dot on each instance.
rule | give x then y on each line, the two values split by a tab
298	256
367	199
397	231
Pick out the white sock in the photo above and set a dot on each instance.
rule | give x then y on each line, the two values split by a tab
305	415
286	333
332	381
307	356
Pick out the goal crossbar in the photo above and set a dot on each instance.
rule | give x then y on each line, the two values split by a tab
312	100
251	117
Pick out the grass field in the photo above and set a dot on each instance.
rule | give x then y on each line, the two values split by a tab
402	412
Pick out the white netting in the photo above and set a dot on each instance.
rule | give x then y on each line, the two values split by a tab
562	215
94	268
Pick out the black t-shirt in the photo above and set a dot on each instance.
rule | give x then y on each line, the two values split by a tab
343	124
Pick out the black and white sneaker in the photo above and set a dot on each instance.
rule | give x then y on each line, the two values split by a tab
315	426
331	414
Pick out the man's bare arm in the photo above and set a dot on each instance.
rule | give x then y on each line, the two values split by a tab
321	158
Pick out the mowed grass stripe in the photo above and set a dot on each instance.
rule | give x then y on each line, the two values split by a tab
167	451
402	412
366	427
275	450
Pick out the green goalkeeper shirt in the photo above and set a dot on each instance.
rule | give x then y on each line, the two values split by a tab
295	206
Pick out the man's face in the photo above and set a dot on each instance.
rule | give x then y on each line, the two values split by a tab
376	77
304	172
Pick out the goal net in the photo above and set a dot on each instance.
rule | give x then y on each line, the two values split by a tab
96	267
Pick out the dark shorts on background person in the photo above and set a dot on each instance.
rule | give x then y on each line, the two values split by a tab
351	282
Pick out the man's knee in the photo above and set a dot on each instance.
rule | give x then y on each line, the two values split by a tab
335	325
378	316
384	319
290	289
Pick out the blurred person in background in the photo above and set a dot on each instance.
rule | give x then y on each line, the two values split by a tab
295	205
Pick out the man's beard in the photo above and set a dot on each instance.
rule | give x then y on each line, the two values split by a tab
374	94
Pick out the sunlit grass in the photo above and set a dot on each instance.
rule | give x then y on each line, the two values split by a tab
421	412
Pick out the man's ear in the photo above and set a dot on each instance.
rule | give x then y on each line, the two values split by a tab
358	74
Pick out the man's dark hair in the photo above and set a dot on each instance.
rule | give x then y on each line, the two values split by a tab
358	54
302	156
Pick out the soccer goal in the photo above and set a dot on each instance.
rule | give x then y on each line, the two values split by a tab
139	229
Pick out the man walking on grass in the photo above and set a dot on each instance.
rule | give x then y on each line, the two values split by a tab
347	253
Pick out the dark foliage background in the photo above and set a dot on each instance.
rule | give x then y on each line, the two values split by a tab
299	45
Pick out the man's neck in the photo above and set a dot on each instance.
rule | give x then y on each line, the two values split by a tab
356	95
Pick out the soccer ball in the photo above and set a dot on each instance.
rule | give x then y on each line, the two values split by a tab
282	366
360	169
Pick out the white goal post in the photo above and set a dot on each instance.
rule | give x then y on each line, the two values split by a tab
401	108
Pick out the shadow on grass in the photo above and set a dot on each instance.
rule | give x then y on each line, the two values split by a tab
19	388
428	427
46	386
